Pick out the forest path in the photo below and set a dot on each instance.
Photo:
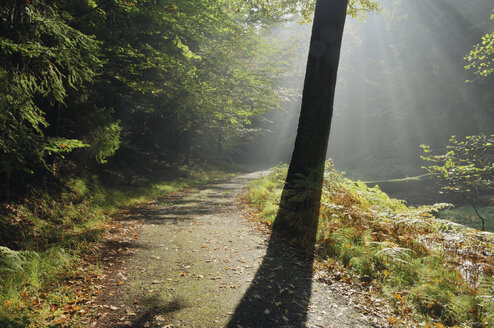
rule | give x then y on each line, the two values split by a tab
195	259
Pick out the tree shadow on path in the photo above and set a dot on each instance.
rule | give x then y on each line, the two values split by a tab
280	293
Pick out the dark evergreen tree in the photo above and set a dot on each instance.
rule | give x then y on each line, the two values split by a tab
41	60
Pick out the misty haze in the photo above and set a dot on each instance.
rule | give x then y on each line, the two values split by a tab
297	163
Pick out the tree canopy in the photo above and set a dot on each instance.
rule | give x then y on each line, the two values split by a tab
127	77
481	58
42	59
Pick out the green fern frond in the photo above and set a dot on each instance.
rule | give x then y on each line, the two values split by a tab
396	254
10	260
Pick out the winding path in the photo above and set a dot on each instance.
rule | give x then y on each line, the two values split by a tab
199	263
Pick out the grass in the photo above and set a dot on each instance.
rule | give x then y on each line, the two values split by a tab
465	215
433	271
52	234
115	198
401	180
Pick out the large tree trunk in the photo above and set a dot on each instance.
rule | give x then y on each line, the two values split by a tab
300	200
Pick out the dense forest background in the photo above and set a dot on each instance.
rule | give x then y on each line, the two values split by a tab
92	85
85	91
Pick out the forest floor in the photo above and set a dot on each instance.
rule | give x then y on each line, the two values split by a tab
193	259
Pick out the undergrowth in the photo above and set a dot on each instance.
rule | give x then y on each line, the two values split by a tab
44	239
434	271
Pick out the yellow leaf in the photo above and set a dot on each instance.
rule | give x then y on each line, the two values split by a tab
391	320
398	296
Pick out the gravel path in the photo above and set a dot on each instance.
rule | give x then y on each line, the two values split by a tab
199	263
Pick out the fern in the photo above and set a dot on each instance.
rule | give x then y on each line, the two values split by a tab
396	254
10	260
438	268
486	299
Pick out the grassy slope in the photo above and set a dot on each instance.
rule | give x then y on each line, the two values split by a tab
465	215
53	234
418	262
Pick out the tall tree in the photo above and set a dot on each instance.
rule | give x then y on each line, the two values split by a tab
300	200
42	60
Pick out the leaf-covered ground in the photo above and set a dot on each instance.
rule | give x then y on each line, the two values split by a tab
196	260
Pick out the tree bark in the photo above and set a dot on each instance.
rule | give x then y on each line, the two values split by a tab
299	207
219	145
475	209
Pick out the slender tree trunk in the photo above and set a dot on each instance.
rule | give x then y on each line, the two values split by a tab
300	200
175	146
482	219
187	148
219	145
